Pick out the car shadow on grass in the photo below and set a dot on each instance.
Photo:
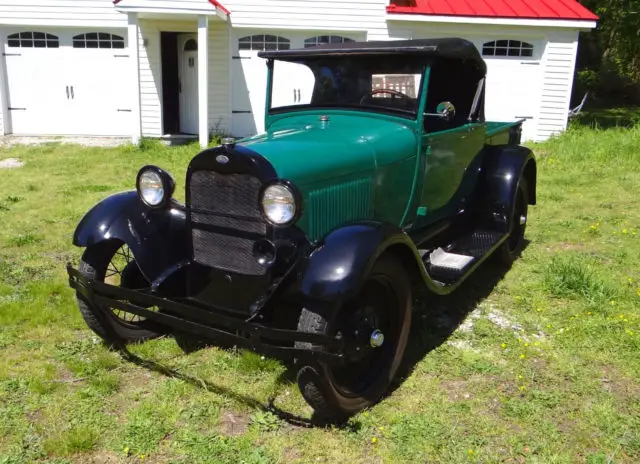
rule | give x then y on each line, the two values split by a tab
435	319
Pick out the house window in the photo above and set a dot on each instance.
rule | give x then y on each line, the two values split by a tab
98	40
326	39
191	46
33	40
507	48
264	42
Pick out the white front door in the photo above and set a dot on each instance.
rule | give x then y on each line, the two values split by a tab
188	59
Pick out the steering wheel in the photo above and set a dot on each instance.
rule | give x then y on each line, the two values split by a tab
389	91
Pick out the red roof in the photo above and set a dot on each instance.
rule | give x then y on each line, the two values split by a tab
215	3
531	9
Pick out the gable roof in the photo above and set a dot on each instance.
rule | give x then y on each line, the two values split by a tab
215	3
523	9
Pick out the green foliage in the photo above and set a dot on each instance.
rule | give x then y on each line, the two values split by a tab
612	51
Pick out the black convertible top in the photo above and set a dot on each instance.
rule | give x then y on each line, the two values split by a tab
451	48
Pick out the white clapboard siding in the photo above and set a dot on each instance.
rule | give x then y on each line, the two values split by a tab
557	83
318	15
151	73
61	13
219	84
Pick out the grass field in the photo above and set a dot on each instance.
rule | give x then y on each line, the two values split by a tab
540	364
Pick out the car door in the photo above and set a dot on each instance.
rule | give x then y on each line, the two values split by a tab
449	147
447	157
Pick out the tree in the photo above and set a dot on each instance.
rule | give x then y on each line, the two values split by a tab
609	56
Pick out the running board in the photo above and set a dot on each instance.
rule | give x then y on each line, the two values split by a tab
451	264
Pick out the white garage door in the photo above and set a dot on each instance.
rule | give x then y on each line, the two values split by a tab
250	77
514	83
69	83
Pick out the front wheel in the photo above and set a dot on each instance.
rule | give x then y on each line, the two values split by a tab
378	320
112	262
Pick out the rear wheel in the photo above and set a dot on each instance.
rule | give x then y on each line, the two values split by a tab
512	247
113	263
378	320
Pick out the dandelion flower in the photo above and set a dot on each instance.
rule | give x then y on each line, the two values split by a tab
612	302
522	356
526	344
503	346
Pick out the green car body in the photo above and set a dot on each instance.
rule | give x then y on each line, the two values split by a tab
312	240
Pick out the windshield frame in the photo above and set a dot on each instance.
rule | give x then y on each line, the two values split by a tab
415	116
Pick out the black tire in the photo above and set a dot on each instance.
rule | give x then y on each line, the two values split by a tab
114	330
337	393
511	249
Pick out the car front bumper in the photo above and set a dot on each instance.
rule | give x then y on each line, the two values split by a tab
184	316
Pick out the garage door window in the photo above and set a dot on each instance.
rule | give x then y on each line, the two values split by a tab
507	48
98	40
33	40
326	39
264	42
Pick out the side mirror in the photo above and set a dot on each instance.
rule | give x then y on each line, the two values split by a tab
446	110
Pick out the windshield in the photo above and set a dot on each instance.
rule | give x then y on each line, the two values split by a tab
374	83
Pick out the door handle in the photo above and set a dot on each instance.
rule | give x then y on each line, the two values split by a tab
67	92
295	98
72	93
299	96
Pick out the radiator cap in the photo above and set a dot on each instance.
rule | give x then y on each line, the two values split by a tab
228	142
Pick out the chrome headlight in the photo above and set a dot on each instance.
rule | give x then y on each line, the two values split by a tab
155	186
279	204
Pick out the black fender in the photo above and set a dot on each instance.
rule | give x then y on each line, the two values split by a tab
337	268
502	169
157	237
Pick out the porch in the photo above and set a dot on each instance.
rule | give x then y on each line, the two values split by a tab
179	66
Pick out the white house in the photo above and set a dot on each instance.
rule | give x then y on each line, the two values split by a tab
156	67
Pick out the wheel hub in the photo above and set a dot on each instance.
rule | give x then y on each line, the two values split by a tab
377	339
523	220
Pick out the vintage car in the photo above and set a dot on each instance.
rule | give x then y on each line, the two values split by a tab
377	180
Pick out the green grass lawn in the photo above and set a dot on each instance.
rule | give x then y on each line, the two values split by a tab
540	364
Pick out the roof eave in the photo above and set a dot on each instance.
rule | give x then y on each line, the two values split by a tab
218	8
583	24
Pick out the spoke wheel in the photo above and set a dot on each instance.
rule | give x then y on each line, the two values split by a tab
377	323
122	271
113	263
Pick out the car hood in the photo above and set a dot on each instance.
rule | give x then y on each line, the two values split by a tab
303	148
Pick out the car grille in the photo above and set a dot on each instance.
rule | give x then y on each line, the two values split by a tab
226	221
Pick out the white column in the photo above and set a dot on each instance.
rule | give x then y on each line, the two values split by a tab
203	80
4	93
134	75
